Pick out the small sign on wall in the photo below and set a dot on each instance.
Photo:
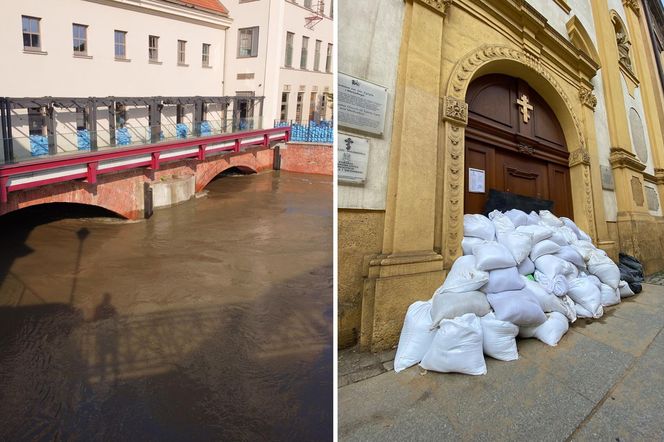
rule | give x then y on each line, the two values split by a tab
352	156
361	104
476	180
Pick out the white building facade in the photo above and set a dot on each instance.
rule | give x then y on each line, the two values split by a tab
100	48
283	50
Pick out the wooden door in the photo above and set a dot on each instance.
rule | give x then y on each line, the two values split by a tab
524	158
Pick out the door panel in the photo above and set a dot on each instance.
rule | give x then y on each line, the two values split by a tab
482	158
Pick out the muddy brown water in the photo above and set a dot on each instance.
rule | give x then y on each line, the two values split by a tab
210	321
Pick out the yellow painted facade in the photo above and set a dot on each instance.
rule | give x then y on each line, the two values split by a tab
445	45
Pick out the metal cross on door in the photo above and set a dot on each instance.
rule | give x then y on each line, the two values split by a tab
525	107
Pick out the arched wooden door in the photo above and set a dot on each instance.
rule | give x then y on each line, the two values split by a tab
514	144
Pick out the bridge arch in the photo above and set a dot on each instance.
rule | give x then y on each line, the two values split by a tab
208	171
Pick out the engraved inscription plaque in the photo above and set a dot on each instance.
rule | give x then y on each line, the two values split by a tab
361	105
352	159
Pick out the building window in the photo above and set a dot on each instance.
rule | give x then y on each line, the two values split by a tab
317	56
31	38
35	121
247	45
153	48
80	33
120	45
289	49
298	107
312	106
284	106
307	4
182	52
328	60
81	118
303	55
206	55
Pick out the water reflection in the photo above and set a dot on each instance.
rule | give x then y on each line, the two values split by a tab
211	321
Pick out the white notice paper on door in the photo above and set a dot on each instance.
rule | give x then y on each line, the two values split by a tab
476	180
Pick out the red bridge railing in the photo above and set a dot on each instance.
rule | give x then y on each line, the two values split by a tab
89	165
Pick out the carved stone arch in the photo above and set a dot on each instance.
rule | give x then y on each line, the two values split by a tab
623	41
517	63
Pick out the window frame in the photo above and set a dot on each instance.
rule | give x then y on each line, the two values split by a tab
122	44
317	47
253	48
283	113
299	107
154	48
328	58
182	53
290	45
304	53
205	55
313	101
84	39
32	34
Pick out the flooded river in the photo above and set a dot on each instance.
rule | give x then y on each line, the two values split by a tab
210	321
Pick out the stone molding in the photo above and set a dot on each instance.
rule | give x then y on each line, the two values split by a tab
587	98
659	176
455	110
469	64
634	4
439	6
621	158
579	156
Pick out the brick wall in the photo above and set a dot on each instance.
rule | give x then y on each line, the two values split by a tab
307	158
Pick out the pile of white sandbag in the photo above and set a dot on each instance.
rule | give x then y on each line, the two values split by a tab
526	275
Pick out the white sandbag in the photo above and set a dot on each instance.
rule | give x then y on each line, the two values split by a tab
584	236
527	267
573	274
478	226
570	310
493	255
595	280
548	301
581	312
557	285
457	347
570	254
568	234
571	225
449	305
549	219
519	307
584	292
499	338
502	280
546	247
468	242
551	265
501	223
518	243
464	276
609	295
624	289
540	233
585	248
550	332
606	270
534	218
518	217
558	237
416	336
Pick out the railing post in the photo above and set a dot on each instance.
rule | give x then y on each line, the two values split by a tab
92	122
237	145
288	133
92	173
3	189
154	164
201	152
51	129
266	140
111	123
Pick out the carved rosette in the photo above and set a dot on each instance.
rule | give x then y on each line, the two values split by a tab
454	191
587	98
469	64
455	110
526	149
579	156
439	5
634	4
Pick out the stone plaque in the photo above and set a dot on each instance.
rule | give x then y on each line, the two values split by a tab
352	159
637	191
361	105
607	178
652	198
638	136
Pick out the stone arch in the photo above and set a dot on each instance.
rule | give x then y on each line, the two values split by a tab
206	172
517	63
62	199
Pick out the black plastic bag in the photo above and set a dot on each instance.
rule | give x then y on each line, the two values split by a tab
635	287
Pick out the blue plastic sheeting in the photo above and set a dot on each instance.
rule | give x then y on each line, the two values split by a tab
181	130
322	132
83	139
206	128
38	145
122	136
